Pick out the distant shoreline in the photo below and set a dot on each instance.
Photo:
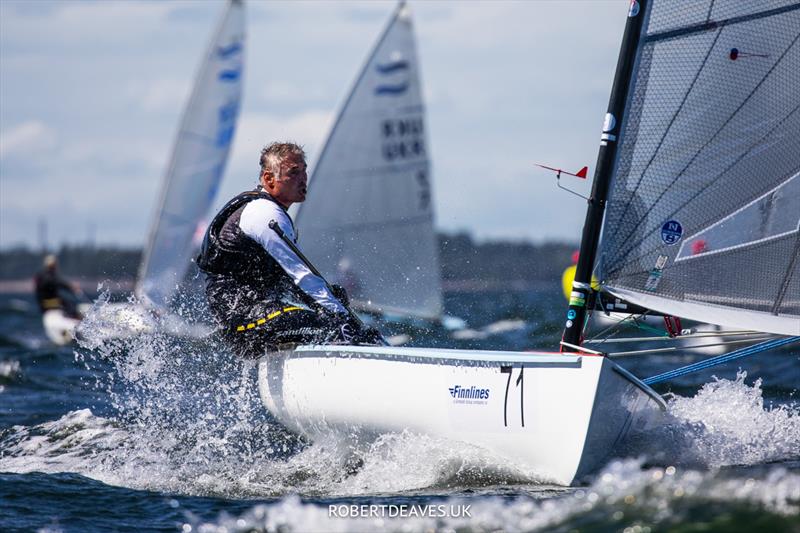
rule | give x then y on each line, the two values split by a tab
89	286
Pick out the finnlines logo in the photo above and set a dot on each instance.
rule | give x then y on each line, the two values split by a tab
471	393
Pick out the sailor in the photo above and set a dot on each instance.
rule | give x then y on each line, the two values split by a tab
260	291
54	292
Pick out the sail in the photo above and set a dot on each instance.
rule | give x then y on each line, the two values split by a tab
198	161
367	222
703	219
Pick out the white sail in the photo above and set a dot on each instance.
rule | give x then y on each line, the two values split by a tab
703	220
368	220
198	161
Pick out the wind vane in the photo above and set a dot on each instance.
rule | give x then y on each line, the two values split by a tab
579	174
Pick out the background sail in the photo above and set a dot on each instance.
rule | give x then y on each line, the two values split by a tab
704	215
198	161
368	220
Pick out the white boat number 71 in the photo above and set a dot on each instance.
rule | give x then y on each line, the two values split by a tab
520	382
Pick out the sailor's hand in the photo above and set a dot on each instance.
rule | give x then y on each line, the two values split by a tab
370	335
350	330
354	332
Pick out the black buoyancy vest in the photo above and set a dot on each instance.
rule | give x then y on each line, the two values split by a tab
232	254
240	273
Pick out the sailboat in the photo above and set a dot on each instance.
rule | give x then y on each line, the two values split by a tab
60	327
368	220
190	185
700	142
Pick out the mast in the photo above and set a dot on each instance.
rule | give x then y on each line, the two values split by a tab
606	157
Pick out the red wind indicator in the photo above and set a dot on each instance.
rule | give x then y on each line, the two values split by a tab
580	174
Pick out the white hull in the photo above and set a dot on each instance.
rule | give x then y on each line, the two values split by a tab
58	327
558	417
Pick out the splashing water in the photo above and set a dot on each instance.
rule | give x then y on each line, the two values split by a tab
726	423
632	497
8	368
187	419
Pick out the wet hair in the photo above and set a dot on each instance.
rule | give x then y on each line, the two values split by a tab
274	154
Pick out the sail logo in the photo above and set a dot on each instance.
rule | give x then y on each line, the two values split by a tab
224	52
230	74
395	77
671	232
226	125
469	395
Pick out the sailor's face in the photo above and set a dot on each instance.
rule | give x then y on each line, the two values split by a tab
292	184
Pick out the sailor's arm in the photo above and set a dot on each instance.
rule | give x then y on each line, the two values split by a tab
255	223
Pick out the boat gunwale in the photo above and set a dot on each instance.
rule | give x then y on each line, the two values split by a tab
446	356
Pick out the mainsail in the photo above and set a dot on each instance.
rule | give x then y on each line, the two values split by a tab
703	218
367	222
198	161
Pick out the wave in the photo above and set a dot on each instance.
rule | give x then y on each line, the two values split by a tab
624	496
186	418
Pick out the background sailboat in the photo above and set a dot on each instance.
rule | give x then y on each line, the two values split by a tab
368	220
197	163
196	168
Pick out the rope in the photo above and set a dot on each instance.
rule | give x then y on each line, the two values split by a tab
630	320
720	359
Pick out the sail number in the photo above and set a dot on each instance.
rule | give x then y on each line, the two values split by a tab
402	139
519	384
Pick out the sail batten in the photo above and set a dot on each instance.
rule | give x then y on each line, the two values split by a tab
367	222
711	24
704	206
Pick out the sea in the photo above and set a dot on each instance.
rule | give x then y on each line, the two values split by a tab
161	433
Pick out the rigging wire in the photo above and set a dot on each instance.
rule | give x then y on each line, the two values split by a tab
720	359
687	348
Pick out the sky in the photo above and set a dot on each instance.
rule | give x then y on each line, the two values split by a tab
91	94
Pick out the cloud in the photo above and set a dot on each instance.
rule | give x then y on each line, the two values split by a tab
102	86
308	128
282	91
81	24
28	138
159	95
